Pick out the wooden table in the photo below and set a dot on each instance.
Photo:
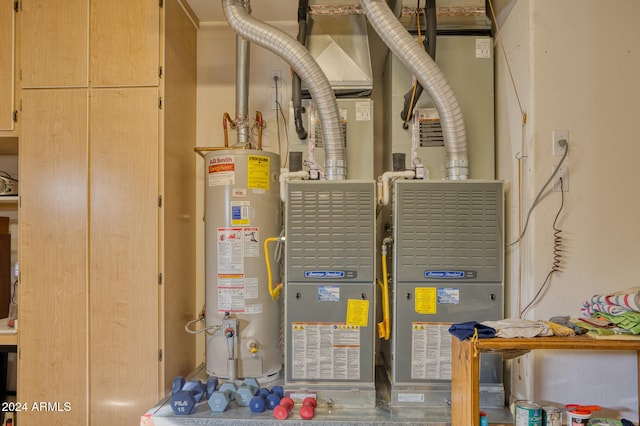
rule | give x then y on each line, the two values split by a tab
465	367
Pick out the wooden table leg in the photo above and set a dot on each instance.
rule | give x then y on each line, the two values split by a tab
465	383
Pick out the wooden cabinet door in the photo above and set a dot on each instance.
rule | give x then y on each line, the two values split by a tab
52	364
54	43
6	64
125	43
124	337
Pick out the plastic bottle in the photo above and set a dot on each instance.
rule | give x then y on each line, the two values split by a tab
483	419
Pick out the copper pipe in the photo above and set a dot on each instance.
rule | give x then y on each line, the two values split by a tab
226	117
259	121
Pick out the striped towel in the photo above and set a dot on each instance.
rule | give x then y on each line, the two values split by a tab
613	303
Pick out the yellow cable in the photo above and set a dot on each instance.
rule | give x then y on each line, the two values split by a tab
384	327
274	292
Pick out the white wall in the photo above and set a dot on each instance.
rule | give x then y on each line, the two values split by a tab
575	64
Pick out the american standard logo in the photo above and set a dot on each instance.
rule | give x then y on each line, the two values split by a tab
456	275
329	274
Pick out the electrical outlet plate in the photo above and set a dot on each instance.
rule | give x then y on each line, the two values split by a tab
561	176
557	136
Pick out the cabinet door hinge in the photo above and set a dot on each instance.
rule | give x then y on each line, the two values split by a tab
159	354
160	103
160	72
16	6
160	201
161	2
160	278
15	116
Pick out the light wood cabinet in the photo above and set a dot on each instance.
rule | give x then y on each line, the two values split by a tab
54	43
123	246
53	314
127	286
7	67
124	43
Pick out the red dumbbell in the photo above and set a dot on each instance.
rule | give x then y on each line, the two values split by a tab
308	409
281	412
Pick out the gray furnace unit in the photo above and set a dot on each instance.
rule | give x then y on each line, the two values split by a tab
330	291
447	268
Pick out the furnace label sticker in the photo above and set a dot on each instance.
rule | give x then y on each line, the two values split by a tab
325	351
222	170
448	296
363	111
328	293
426	298
230	251
251	242
258	172
357	312
483	48
240	211
430	351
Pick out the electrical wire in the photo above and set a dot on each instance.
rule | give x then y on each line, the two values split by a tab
279	113
557	254
506	59
539	196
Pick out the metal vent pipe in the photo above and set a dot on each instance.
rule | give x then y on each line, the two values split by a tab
299	58
396	37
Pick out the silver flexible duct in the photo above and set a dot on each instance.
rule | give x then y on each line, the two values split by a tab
299	58
242	90
396	37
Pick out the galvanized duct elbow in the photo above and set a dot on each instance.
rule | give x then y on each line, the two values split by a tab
299	58
396	37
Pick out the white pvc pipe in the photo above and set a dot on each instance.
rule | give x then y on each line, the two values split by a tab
285	176
384	181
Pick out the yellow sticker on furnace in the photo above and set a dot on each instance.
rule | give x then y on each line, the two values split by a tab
258	173
358	312
426	298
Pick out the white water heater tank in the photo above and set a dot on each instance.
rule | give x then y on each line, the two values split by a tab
242	209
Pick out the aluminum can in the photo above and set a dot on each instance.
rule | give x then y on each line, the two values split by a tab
527	413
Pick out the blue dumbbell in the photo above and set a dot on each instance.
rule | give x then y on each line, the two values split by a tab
257	404
178	383
212	386
198	388
182	402
272	400
278	390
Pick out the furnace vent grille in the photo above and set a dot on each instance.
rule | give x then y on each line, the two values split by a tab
330	227
449	226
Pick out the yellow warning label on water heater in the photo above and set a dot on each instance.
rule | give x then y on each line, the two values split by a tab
258	172
426	298
358	312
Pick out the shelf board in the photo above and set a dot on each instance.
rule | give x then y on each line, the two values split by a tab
4	199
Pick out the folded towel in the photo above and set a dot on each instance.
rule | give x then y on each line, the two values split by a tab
465	330
516	327
613	303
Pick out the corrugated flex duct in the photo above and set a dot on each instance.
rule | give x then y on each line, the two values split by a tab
299	58
402	44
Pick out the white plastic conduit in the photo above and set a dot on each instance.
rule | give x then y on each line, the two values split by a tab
299	58
414	57
384	182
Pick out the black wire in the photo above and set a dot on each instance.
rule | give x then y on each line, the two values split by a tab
557	253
